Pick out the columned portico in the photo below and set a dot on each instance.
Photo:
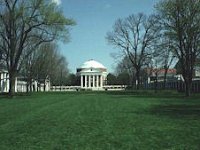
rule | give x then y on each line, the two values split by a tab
91	81
92	75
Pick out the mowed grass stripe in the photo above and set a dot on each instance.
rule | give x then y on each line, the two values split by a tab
13	109
98	121
36	123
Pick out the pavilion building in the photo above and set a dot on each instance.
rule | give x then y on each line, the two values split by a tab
93	75
21	84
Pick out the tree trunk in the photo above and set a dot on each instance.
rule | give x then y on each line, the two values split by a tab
38	87
138	79
156	83
30	83
133	80
30	86
187	88
165	78
188	82
27	87
44	86
12	76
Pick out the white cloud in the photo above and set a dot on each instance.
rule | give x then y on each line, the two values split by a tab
58	2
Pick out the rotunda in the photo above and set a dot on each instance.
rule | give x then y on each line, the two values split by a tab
93	75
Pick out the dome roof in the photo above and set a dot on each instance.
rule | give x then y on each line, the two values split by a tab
92	64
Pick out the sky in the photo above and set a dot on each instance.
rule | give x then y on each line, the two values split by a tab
94	18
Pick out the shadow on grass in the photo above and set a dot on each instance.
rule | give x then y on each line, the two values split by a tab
148	93
177	111
3	95
19	94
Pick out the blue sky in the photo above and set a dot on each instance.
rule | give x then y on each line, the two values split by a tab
94	19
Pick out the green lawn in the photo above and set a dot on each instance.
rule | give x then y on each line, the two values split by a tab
104	120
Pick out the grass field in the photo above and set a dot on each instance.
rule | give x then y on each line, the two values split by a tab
107	120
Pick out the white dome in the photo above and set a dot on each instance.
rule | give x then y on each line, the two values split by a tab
92	64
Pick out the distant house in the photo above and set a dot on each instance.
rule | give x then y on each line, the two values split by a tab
196	71
160	73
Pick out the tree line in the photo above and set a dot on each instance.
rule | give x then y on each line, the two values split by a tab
171	34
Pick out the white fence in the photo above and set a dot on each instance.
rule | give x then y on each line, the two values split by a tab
65	88
115	87
77	88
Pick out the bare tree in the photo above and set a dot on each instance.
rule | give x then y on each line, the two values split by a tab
25	21
45	62
155	71
135	36
163	52
36	66
180	21
125	66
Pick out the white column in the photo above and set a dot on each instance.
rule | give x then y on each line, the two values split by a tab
93	81
89	81
16	84
101	81
97	80
148	80
4	82
1	82
4	79
7	83
1	78
85	81
81	81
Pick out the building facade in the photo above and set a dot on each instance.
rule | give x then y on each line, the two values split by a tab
21	84
93	75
